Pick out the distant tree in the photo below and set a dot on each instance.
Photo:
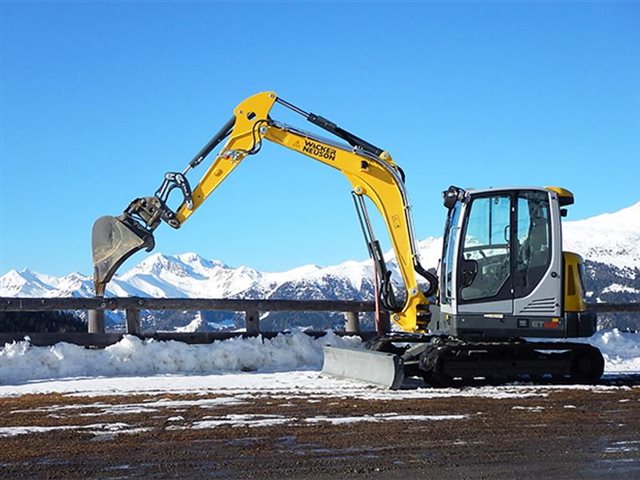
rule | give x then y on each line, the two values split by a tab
41	322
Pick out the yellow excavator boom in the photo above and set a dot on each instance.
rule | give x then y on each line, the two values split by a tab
370	170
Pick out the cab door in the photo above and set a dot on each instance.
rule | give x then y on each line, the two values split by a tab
537	255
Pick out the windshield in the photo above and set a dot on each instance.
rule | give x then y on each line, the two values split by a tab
485	260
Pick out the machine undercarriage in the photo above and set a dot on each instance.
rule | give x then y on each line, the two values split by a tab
446	361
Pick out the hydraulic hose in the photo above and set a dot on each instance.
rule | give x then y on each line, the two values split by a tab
429	277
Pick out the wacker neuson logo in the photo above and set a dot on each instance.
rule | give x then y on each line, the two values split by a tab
318	150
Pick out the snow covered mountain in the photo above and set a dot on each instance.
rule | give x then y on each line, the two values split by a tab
611	238
192	276
610	243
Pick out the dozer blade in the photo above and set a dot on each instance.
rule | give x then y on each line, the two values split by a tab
114	240
369	366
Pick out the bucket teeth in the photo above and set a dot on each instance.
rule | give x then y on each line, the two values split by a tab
114	240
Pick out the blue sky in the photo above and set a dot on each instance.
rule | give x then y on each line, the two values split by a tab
99	100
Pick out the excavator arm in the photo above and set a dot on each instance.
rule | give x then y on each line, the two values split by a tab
370	170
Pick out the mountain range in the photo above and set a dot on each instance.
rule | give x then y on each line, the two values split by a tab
610	243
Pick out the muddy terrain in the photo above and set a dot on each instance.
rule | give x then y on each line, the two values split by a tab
524	432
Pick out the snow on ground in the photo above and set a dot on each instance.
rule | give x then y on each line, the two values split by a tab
286	365
95	429
236	420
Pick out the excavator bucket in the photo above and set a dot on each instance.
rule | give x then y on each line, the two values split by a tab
379	368
114	240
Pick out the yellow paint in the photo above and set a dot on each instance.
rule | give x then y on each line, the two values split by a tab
378	182
249	115
565	197
574	294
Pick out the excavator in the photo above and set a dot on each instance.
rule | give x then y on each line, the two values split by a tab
502	280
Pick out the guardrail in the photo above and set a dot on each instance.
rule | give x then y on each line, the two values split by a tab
614	307
132	306
95	307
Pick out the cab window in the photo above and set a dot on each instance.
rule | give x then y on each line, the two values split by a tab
485	263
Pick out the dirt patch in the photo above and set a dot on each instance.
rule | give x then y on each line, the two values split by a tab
560	433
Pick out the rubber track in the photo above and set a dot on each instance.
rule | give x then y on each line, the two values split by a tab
455	362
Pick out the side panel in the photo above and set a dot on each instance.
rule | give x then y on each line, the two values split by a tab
574	290
496	326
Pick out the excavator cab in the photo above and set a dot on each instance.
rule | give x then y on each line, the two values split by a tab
503	272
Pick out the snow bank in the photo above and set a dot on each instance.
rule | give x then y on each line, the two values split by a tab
621	350
22	362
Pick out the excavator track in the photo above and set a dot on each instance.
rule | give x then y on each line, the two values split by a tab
500	362
448	361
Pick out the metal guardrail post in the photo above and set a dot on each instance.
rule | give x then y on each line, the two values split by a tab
385	322
352	322
252	322
95	321
133	321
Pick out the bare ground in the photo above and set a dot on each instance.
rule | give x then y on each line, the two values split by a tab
562	433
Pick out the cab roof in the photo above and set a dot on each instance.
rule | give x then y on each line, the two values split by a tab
565	197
